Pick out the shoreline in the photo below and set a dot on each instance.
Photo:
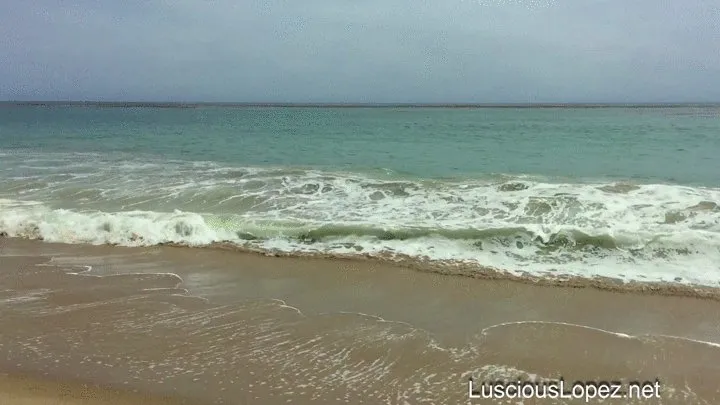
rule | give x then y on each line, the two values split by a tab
460	269
480	272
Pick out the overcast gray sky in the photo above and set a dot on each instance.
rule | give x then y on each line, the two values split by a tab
361	51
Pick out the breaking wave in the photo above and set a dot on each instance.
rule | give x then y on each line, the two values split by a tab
650	232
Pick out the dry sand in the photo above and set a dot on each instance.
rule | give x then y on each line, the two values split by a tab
212	326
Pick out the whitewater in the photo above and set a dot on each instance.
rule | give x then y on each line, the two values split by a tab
521	224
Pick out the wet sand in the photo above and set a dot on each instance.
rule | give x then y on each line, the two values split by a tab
25	390
208	326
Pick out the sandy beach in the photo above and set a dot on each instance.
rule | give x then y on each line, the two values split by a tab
206	326
26	390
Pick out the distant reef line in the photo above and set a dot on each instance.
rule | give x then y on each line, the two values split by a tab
144	104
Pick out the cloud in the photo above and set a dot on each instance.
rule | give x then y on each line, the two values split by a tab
372	51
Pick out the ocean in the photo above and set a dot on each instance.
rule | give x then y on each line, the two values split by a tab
630	193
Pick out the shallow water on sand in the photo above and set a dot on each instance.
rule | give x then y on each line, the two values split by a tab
224	327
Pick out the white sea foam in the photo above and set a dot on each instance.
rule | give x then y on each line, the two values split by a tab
652	232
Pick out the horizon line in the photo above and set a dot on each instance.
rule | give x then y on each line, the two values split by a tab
191	104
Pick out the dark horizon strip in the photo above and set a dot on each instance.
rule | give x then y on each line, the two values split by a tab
141	104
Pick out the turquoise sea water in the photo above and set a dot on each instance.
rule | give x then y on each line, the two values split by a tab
648	145
626	192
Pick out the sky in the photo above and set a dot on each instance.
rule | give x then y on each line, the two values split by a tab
377	51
